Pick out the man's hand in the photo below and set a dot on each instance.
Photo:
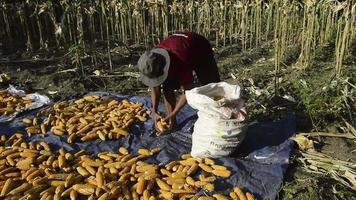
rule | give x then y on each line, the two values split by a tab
171	120
169	117
156	116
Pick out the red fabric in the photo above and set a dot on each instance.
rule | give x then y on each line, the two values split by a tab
186	51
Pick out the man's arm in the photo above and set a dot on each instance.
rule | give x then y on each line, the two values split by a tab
155	95
181	102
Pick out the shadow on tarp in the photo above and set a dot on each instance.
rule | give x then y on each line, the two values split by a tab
258	165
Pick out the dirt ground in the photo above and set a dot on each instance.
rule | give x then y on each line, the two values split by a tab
52	74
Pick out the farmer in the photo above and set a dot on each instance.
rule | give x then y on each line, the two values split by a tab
170	65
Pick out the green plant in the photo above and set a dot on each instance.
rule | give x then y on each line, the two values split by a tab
76	54
327	102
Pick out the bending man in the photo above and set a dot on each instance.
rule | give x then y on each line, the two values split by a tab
170	65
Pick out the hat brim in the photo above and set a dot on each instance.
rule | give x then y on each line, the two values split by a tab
153	82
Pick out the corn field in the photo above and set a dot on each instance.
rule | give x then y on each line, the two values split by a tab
38	24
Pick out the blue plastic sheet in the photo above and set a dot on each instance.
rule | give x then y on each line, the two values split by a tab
258	165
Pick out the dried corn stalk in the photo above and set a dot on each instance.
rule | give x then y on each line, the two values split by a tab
342	171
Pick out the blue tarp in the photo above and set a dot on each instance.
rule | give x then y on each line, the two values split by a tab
257	166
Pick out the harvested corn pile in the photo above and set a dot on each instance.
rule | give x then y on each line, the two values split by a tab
10	103
162	126
89	118
33	171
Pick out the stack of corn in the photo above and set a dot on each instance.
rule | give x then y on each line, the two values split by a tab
10	103
89	118
32	171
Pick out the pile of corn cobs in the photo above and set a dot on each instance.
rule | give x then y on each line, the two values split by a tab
87	119
10	103
32	171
